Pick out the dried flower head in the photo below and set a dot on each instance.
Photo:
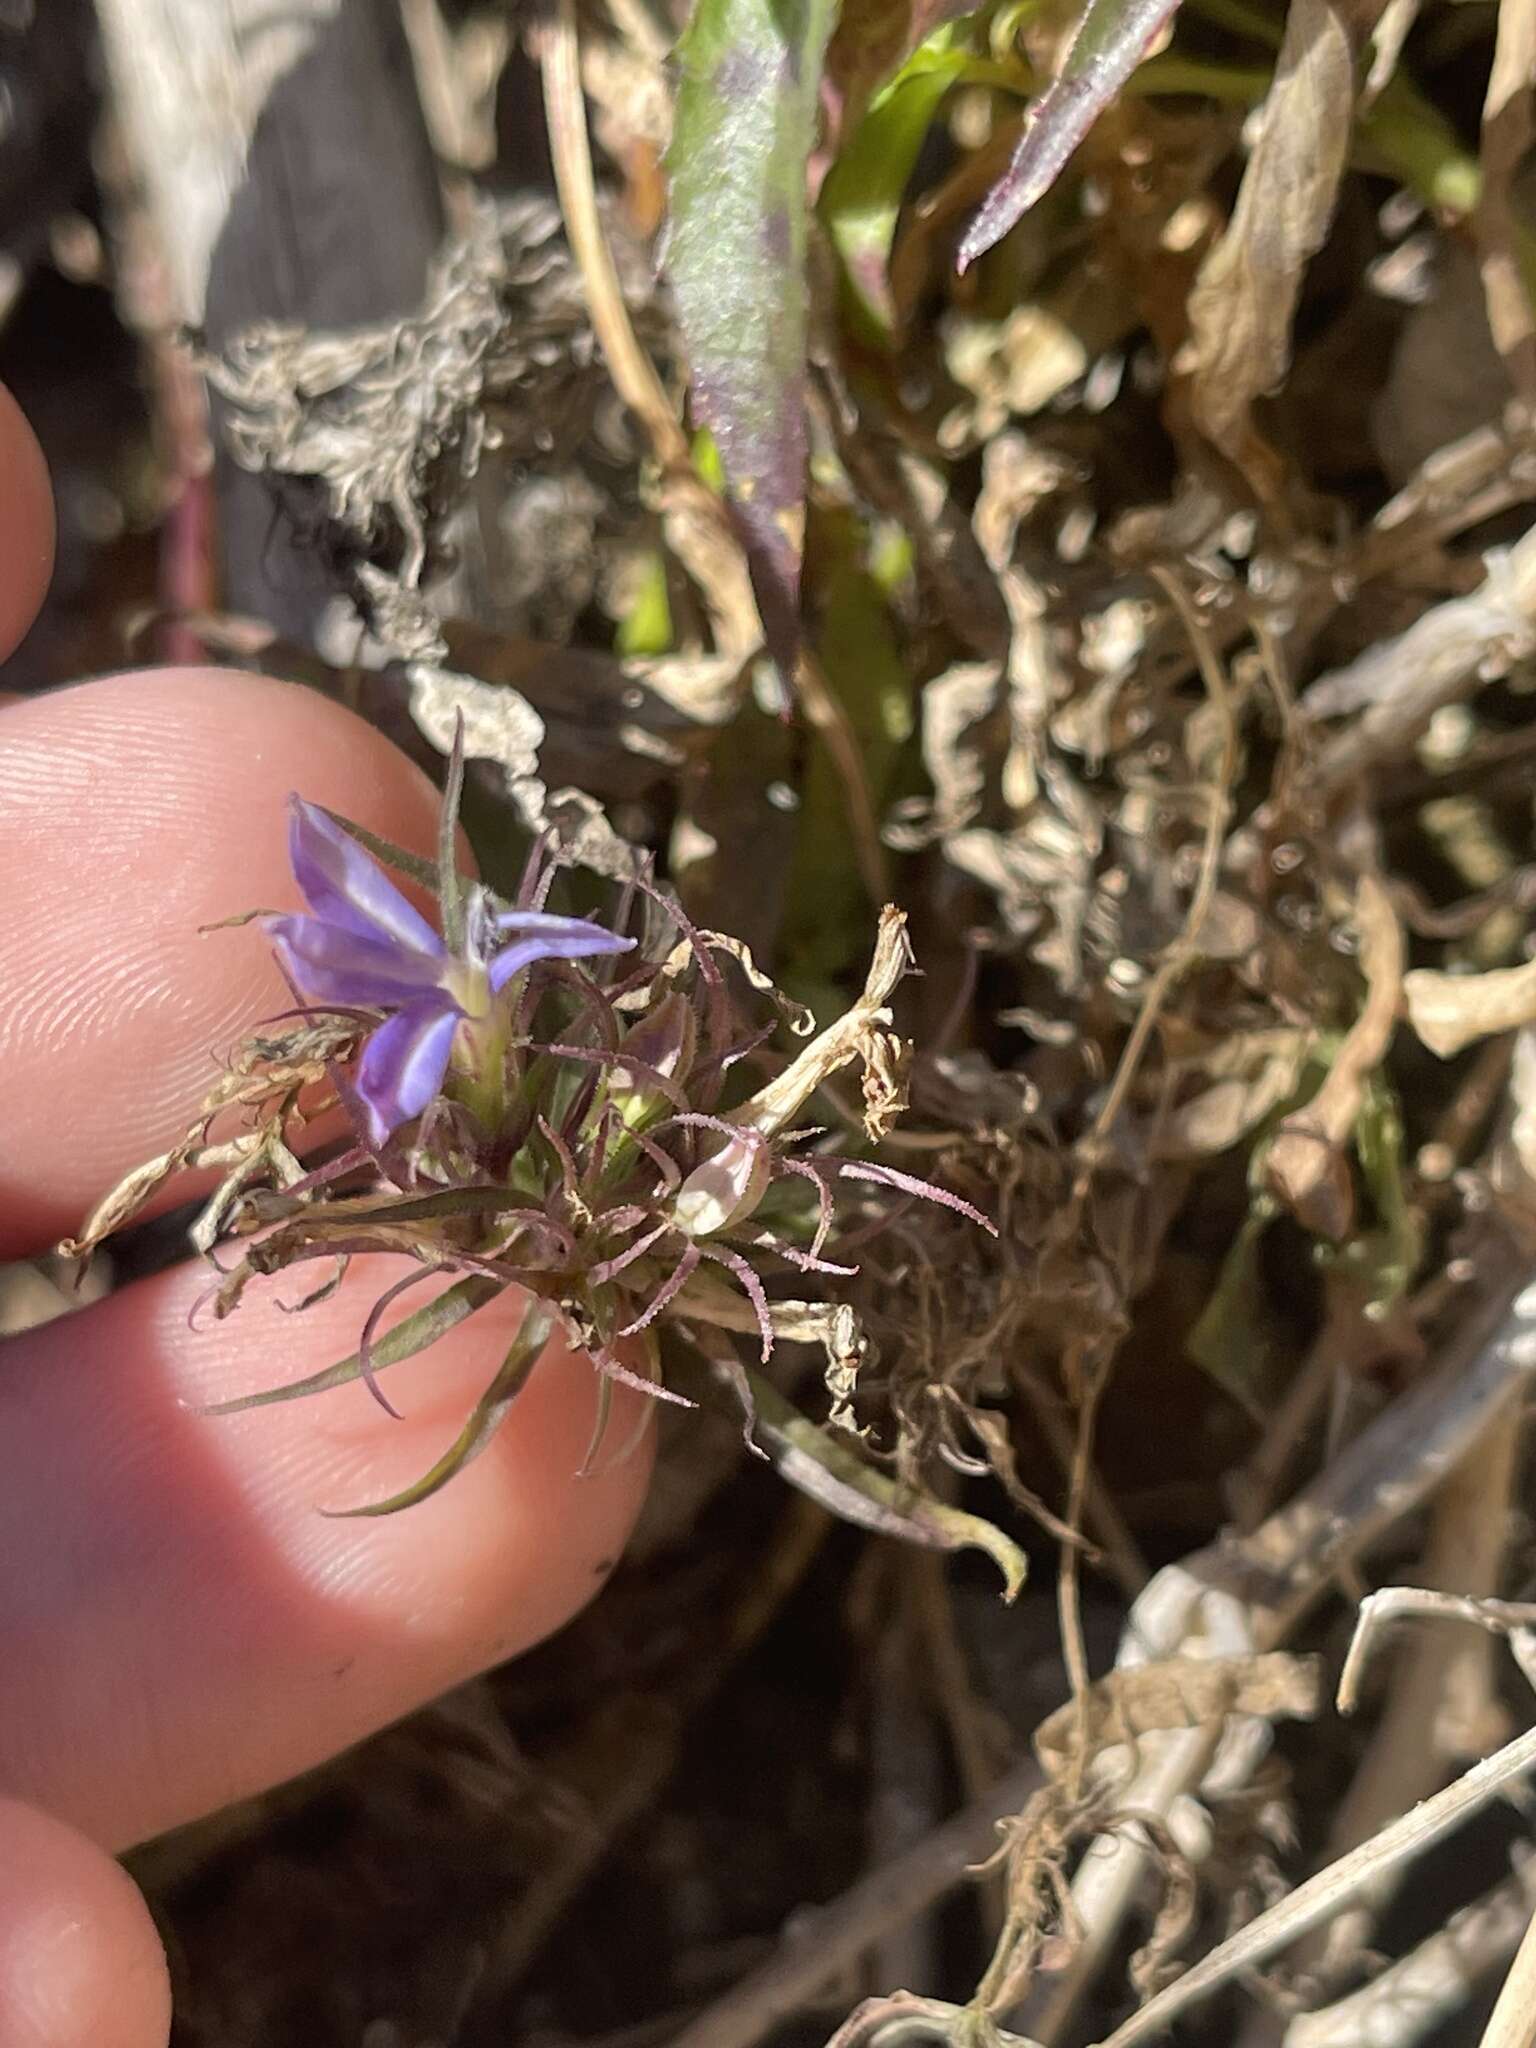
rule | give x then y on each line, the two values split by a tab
546	1102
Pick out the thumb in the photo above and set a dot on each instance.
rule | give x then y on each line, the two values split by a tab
79	1956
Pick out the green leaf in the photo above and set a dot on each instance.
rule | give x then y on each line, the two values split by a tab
1383	1260
411	1334
861	197
1238	1340
450	888
826	918
875	38
486	1418
1112	38
646	628
831	1471
745	123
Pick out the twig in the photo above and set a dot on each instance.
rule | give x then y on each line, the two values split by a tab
1512	2023
826	717
1254	1487
1321	1896
1398	685
1412	1747
977	1734
886	1899
1185	950
1248	1595
1413	1995
906	2021
698	527
1512	1618
1508	131
635	1741
1102	1518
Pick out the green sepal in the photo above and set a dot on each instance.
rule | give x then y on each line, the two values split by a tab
832	1472
412	1334
486	1417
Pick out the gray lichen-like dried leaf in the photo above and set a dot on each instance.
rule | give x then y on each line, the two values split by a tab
501	726
1178	1692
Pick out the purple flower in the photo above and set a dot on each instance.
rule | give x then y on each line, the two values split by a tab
366	947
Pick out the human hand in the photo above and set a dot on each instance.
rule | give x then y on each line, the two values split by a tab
180	1625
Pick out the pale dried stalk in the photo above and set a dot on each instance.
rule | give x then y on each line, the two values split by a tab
1442	1698
903	2020
1508	131
1515	1619
1398	685
835	1937
1247	1596
697	527
1316	1901
1413	1995
1512	2023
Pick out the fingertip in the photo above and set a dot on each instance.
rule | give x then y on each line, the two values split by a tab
142	808
26	525
238	1630
80	1961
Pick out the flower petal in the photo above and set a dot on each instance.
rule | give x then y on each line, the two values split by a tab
547	921
346	886
332	963
403	1064
555	938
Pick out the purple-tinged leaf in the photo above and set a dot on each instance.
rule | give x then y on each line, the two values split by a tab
826	1466
609	1269
669	1289
410	1335
819	1180
806	1262
371	1329
751	1286
1111	40
613	1368
909	1184
745	124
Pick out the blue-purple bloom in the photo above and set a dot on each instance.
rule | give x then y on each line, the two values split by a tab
366	947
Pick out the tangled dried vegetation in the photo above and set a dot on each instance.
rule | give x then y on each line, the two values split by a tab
1159	632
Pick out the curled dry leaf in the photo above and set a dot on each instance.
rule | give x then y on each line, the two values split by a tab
1509	128
862	1032
1177	1692
1303	1166
300	1060
832	1471
1244	300
500	725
